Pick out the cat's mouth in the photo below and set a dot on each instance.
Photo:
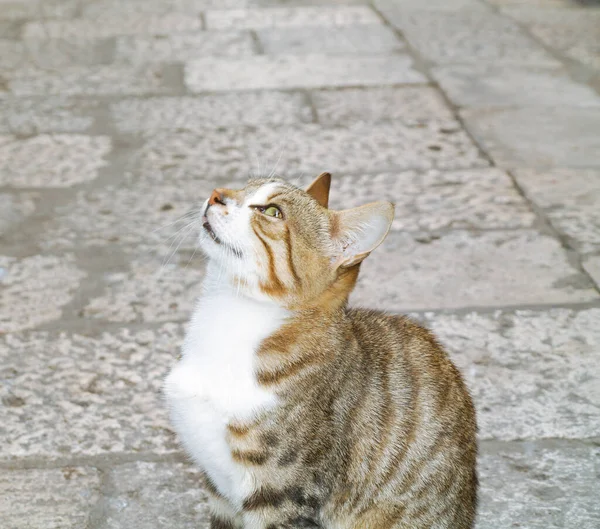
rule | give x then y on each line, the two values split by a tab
206	225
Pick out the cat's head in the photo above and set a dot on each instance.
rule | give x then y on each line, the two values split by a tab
274	240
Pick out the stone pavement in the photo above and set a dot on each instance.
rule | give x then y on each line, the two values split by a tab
481	120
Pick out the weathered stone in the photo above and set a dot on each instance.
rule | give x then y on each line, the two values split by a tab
343	39
538	137
100	80
112	25
89	395
412	105
299	71
481	198
154	495
27	117
235	153
570	199
325	16
539	486
58	160
531	373
210	111
592	267
58	498
14	209
466	36
37	9
462	269
181	48
484	85
99	8
35	289
399	6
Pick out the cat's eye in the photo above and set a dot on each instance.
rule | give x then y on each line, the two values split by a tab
270	211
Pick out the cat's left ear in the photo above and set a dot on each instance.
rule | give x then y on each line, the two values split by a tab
358	231
319	189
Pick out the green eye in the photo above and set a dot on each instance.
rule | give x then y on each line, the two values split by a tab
272	211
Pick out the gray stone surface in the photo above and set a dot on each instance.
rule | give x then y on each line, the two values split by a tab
96	8
299	71
343	39
592	267
492	86
35	289
463	269
570	199
37	9
87	395
14	209
467	36
538	137
153	495
57	160
147	116
325	16
413	105
539	486
57	498
533	374
435	200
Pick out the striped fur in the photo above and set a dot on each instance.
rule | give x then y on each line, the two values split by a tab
351	418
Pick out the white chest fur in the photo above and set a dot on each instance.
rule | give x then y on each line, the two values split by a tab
215	382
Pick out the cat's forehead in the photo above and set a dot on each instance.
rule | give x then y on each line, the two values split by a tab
263	190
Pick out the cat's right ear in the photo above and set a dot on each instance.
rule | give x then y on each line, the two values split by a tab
358	231
319	189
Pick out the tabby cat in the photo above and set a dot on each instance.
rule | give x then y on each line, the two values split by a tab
303	412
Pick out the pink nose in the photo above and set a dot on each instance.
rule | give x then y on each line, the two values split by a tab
216	198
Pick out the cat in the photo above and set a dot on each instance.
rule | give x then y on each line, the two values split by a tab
303	412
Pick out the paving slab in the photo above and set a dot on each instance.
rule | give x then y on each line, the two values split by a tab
466	36
413	105
111	25
342	39
324	16
539	486
181	48
120	80
493	86
57	160
533	374
432	5
14	208
38	9
89	395
153	495
30	116
299	71
465	269
35	289
592	267
570	198
439	200
151	115
235	153
538	137
58	498
98	8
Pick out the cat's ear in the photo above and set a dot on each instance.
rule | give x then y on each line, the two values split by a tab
319	189
358	231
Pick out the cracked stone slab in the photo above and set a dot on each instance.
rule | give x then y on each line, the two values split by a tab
324	16
489	86
155	496
463	269
181	48
101	80
538	137
412	105
539	486
299	71
592	267
30	116
147	116
434	200
343	39
48	499
35	289
90	395
57	160
467	36
112	25
235	153
532	374
570	198
15	208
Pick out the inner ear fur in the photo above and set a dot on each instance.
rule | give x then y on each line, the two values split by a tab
319	189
